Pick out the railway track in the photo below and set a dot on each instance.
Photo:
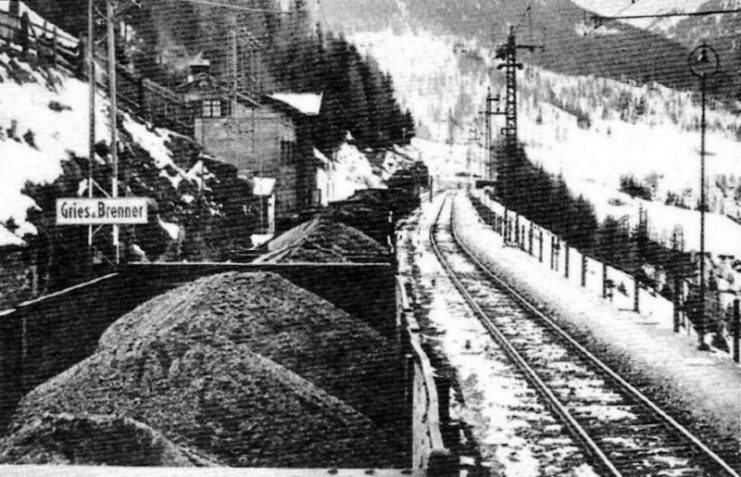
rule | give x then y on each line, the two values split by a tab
622	431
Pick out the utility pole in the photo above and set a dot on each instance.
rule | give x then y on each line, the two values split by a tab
703	62
488	113
91	114
508	53
110	14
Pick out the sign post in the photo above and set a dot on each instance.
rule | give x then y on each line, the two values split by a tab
108	211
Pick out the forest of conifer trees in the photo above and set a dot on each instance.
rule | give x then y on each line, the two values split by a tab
295	56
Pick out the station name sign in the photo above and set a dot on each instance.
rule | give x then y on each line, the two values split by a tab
118	211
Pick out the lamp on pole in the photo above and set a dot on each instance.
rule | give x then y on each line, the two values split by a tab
703	62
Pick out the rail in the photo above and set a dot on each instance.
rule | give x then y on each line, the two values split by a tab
578	431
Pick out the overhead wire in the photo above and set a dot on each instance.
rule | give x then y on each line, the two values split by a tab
213	3
321	10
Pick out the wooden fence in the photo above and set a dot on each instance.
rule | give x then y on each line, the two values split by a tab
625	290
34	37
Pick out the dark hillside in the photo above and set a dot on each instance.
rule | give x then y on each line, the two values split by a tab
572	45
722	32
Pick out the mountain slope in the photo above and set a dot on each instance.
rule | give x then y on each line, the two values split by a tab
593	131
571	45
720	31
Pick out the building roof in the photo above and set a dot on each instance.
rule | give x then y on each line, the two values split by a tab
307	103
207	82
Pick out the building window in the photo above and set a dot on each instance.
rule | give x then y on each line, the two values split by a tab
215	108
287	152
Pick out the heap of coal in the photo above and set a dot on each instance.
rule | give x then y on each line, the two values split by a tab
321	240
233	366
65	439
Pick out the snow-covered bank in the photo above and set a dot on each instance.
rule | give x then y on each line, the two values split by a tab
703	384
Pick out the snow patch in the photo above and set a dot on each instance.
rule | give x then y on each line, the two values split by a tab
306	103
173	230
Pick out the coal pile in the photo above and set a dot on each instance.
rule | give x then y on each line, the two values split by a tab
244	367
321	240
93	440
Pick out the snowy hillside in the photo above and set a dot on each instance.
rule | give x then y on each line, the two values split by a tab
44	116
593	131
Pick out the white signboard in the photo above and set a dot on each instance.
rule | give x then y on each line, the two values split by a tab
119	211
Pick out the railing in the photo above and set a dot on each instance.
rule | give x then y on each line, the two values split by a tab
19	25
33	36
428	452
623	289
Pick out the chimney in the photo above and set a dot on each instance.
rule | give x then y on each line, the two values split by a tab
197	66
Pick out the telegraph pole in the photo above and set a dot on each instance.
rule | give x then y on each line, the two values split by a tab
488	113
114	116
91	124
508	53
703	62
111	16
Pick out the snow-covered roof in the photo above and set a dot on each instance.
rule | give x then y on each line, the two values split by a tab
321	157
307	103
263	186
8	238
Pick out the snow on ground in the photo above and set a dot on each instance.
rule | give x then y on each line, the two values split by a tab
173	230
650	132
350	171
705	384
654	308
56	133
592	164
515	432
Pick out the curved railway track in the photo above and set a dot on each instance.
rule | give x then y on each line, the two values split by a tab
622	431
